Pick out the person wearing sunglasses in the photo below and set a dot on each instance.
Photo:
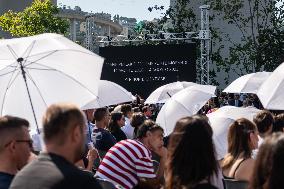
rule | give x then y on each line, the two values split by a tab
15	148
64	129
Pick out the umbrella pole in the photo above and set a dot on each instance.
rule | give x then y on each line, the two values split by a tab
169	94
20	60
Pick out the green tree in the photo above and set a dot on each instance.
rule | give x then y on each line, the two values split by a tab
39	18
179	17
139	27
260	23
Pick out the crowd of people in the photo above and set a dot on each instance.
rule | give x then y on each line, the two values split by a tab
123	147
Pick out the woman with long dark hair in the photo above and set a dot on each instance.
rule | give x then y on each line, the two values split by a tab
269	166
136	121
242	140
191	162
116	122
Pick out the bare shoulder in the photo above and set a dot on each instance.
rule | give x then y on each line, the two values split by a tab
244	172
248	162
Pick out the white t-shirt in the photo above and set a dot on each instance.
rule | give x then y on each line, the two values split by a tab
128	129
254	152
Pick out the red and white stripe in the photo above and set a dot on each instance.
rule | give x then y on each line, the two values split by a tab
125	162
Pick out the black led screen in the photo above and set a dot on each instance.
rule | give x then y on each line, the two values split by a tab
142	69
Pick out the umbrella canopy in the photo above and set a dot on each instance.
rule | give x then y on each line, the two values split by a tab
220	127
163	93
249	83
109	93
271	92
184	103
220	121
44	69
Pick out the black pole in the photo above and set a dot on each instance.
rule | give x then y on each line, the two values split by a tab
169	94
20	60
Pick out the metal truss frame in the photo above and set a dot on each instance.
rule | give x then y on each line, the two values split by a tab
145	38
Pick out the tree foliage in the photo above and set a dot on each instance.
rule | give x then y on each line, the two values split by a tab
139	27
260	23
39	18
179	17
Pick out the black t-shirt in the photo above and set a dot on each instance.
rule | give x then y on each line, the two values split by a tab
103	139
5	180
119	135
204	186
51	171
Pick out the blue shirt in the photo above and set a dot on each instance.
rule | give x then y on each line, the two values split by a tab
89	131
5	180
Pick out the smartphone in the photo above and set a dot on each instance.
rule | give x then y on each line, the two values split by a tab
90	145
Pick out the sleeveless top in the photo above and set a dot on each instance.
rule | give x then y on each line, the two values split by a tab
234	175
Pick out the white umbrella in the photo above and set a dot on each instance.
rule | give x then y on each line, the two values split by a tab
109	93
220	127
184	103
220	121
249	83
234	112
271	92
163	93
44	69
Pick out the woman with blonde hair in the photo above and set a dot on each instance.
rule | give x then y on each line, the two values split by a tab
242	139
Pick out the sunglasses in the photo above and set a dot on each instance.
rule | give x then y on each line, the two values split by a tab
29	142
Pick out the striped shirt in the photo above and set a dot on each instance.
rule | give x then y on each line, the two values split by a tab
126	162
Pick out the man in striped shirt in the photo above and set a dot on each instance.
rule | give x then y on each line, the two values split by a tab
129	162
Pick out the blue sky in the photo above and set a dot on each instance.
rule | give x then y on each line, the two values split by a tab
129	8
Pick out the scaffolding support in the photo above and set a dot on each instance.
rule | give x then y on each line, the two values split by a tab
89	33
121	40
205	45
203	35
